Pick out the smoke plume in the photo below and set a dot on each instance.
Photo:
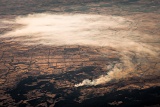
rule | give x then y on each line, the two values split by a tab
114	74
77	29
86	29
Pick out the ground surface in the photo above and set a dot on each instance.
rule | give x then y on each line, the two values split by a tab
88	53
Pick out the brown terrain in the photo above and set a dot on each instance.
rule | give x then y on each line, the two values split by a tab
121	69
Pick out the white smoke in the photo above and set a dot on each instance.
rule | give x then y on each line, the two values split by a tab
115	74
122	70
77	29
84	29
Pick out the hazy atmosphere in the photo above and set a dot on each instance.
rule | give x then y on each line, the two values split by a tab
85	53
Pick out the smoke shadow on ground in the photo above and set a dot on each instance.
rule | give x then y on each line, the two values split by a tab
25	86
132	98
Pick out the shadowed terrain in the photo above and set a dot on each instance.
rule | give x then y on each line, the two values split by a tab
85	53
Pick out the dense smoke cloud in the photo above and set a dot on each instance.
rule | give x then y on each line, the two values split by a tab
77	29
114	74
120	71
68	28
85	29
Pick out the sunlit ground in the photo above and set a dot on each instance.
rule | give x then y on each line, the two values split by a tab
83	51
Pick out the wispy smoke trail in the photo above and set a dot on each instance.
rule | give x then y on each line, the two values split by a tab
86	29
123	70
115	74
70	29
77	29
